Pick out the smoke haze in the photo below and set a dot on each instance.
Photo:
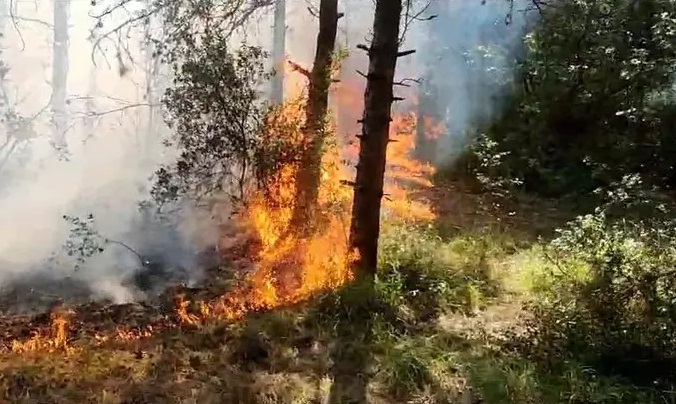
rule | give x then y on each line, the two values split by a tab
114	151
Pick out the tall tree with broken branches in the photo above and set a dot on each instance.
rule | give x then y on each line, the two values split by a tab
309	168
378	98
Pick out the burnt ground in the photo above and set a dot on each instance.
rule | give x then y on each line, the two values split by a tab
39	291
26	303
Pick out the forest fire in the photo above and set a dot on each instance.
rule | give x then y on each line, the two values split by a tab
53	339
289	268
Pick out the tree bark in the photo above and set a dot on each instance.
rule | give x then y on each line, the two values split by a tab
279	52
60	70
309	171
378	98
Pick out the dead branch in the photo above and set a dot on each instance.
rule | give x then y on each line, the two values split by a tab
300	69
406	53
403	82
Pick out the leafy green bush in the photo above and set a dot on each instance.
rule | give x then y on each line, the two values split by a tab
613	301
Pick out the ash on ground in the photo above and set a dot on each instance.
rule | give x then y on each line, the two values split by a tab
39	291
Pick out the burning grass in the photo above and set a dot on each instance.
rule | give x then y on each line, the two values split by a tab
284	355
286	269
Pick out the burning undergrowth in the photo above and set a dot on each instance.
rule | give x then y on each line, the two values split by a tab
272	265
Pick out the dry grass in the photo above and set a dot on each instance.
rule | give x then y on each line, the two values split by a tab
233	363
286	356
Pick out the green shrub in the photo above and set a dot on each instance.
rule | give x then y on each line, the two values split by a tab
612	301
423	274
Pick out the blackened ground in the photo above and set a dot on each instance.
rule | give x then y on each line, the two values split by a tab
39	291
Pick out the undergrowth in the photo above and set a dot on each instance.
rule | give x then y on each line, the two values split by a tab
473	316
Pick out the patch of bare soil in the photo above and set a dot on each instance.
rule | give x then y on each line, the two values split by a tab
494	323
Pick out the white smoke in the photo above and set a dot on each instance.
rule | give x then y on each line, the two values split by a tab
467	56
107	171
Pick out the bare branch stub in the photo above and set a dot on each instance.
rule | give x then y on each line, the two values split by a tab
406	53
404	82
363	47
300	69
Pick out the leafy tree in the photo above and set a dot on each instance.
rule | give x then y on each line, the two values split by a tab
597	99
612	302
214	112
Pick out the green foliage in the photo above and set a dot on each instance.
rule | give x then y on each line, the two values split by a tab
612	299
83	240
596	103
423	275
214	111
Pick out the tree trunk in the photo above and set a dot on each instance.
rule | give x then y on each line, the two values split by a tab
279	52
4	12
428	100
309	171
427	109
60	70
90	104
378	98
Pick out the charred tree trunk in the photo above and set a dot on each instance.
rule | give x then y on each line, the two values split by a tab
279	52
378	98
427	109
309	171
60	70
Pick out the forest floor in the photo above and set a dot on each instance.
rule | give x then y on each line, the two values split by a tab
460	354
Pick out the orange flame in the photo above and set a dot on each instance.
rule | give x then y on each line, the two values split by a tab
290	269
55	339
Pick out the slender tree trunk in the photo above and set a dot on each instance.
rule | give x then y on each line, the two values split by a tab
351	353
4	12
378	98
279	52
153	91
60	70
426	110
309	172
90	104
428	106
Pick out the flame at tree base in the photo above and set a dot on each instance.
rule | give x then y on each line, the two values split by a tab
290	268
287	268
